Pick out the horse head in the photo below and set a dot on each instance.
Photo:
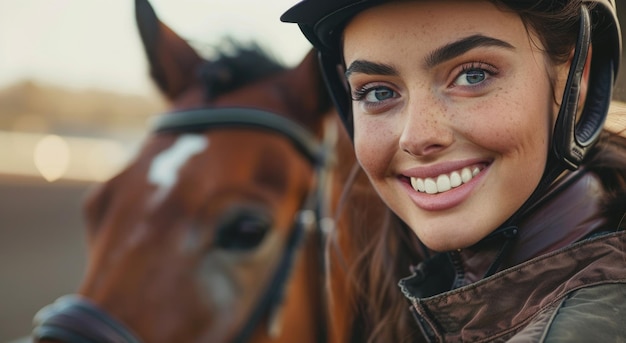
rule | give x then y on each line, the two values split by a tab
206	234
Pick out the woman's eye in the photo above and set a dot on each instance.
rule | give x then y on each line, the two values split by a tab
475	74
379	94
471	77
374	94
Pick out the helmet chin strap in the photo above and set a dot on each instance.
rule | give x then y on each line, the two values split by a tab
566	151
565	142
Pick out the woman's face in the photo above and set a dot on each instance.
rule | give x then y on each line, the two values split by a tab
453	109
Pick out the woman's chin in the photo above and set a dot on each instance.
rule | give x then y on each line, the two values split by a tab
441	241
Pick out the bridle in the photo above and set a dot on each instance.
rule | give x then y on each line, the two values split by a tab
311	210
75	319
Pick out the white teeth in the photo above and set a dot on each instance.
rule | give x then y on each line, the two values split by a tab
431	186
444	182
418	184
414	183
466	175
455	179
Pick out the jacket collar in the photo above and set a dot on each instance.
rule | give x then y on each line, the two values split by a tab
569	212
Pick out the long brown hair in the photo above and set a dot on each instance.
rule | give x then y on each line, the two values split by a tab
386	253
608	161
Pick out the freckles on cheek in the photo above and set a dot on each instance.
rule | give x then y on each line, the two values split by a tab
504	124
366	149
361	149
518	136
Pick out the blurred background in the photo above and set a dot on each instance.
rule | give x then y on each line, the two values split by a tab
75	101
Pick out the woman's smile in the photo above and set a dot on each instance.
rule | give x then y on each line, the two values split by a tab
452	129
445	190
444	182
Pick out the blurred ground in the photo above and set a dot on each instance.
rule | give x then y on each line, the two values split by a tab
41	247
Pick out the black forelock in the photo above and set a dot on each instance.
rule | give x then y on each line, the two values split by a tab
237	64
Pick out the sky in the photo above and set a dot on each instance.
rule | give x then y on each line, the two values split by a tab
95	43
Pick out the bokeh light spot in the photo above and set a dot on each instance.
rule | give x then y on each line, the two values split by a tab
52	157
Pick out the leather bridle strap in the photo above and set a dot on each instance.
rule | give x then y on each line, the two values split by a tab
72	318
202	119
274	292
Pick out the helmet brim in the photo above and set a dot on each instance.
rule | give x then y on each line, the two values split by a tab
323	21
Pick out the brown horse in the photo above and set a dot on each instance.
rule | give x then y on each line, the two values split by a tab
206	235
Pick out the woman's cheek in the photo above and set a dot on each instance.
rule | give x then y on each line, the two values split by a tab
371	147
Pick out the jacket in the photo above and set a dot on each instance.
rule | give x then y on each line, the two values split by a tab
562	279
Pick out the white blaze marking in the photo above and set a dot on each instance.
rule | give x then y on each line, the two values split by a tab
165	167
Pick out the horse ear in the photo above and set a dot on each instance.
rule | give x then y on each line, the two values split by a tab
173	62
309	75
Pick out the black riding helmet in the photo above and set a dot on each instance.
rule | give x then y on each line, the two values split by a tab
323	21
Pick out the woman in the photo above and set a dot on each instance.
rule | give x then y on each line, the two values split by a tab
477	123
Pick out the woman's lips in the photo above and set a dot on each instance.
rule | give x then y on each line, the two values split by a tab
445	182
444	190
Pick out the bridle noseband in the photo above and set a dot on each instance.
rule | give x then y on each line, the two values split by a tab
58	320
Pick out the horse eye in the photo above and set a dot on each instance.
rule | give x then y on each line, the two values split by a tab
242	231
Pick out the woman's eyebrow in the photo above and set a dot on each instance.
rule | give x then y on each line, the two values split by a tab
438	56
370	68
461	46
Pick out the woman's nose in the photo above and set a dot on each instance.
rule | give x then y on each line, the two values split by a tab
426	130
